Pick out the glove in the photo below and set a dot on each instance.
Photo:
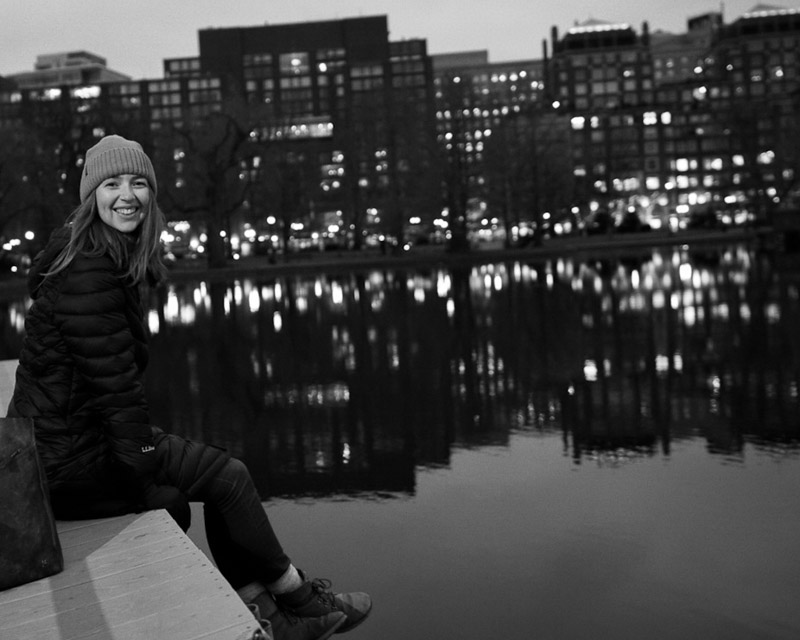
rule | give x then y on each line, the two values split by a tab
171	499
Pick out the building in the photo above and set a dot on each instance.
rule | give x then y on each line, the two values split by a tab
345	103
702	126
677	57
67	69
663	127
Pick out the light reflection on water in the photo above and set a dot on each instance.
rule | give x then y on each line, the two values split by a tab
352	375
564	449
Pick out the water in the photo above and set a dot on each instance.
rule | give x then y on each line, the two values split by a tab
562	449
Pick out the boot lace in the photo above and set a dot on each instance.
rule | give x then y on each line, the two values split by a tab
322	590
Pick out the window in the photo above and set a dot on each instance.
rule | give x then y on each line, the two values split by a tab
256	59
294	64
162	86
361	71
162	99
257	65
330	54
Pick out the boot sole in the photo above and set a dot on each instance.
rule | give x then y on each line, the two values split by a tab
347	628
333	629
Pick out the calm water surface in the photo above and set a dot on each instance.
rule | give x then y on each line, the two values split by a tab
564	449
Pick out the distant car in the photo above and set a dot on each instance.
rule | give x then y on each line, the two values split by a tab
704	219
599	222
14	262
632	223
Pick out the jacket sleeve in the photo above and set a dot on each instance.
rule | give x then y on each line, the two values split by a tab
93	316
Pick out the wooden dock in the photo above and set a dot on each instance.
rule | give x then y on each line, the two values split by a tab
135	577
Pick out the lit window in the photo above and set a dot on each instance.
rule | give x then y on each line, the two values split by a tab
294	63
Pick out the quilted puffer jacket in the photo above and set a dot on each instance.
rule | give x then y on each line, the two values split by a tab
80	377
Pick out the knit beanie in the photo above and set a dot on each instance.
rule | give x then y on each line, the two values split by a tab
113	156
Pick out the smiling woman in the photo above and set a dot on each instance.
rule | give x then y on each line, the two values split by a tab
81	379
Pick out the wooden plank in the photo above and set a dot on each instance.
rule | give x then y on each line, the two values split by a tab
8	372
135	577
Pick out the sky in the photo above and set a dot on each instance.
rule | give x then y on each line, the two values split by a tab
136	37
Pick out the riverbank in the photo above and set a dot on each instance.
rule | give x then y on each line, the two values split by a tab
435	255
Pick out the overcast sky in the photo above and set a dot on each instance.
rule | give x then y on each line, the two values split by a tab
135	37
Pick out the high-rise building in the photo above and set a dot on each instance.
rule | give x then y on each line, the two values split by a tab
72	68
341	95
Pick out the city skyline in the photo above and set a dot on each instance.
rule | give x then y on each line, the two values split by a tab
135	42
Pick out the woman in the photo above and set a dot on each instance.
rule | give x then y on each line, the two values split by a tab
80	378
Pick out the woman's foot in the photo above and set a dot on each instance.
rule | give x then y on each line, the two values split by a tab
284	625
314	599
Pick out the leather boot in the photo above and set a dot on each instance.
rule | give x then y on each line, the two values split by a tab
285	625
314	598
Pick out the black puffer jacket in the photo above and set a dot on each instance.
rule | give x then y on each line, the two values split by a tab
80	378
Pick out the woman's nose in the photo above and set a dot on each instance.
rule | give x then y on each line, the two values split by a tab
126	192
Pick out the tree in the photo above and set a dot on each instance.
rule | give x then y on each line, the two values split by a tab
509	172
457	100
529	168
553	177
32	198
415	179
204	162
284	187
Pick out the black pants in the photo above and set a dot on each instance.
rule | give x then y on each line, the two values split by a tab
240	536
239	532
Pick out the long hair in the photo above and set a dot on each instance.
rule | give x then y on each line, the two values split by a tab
137	254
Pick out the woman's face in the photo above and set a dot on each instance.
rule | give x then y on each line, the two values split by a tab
123	200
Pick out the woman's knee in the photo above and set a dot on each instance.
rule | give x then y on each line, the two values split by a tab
229	485
235	468
235	474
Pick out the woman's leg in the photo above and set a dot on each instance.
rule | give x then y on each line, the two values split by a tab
243	543
239	533
249	555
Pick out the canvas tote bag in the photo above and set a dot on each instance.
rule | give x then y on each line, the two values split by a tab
29	545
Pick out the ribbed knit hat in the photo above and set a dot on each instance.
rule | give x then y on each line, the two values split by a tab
113	156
